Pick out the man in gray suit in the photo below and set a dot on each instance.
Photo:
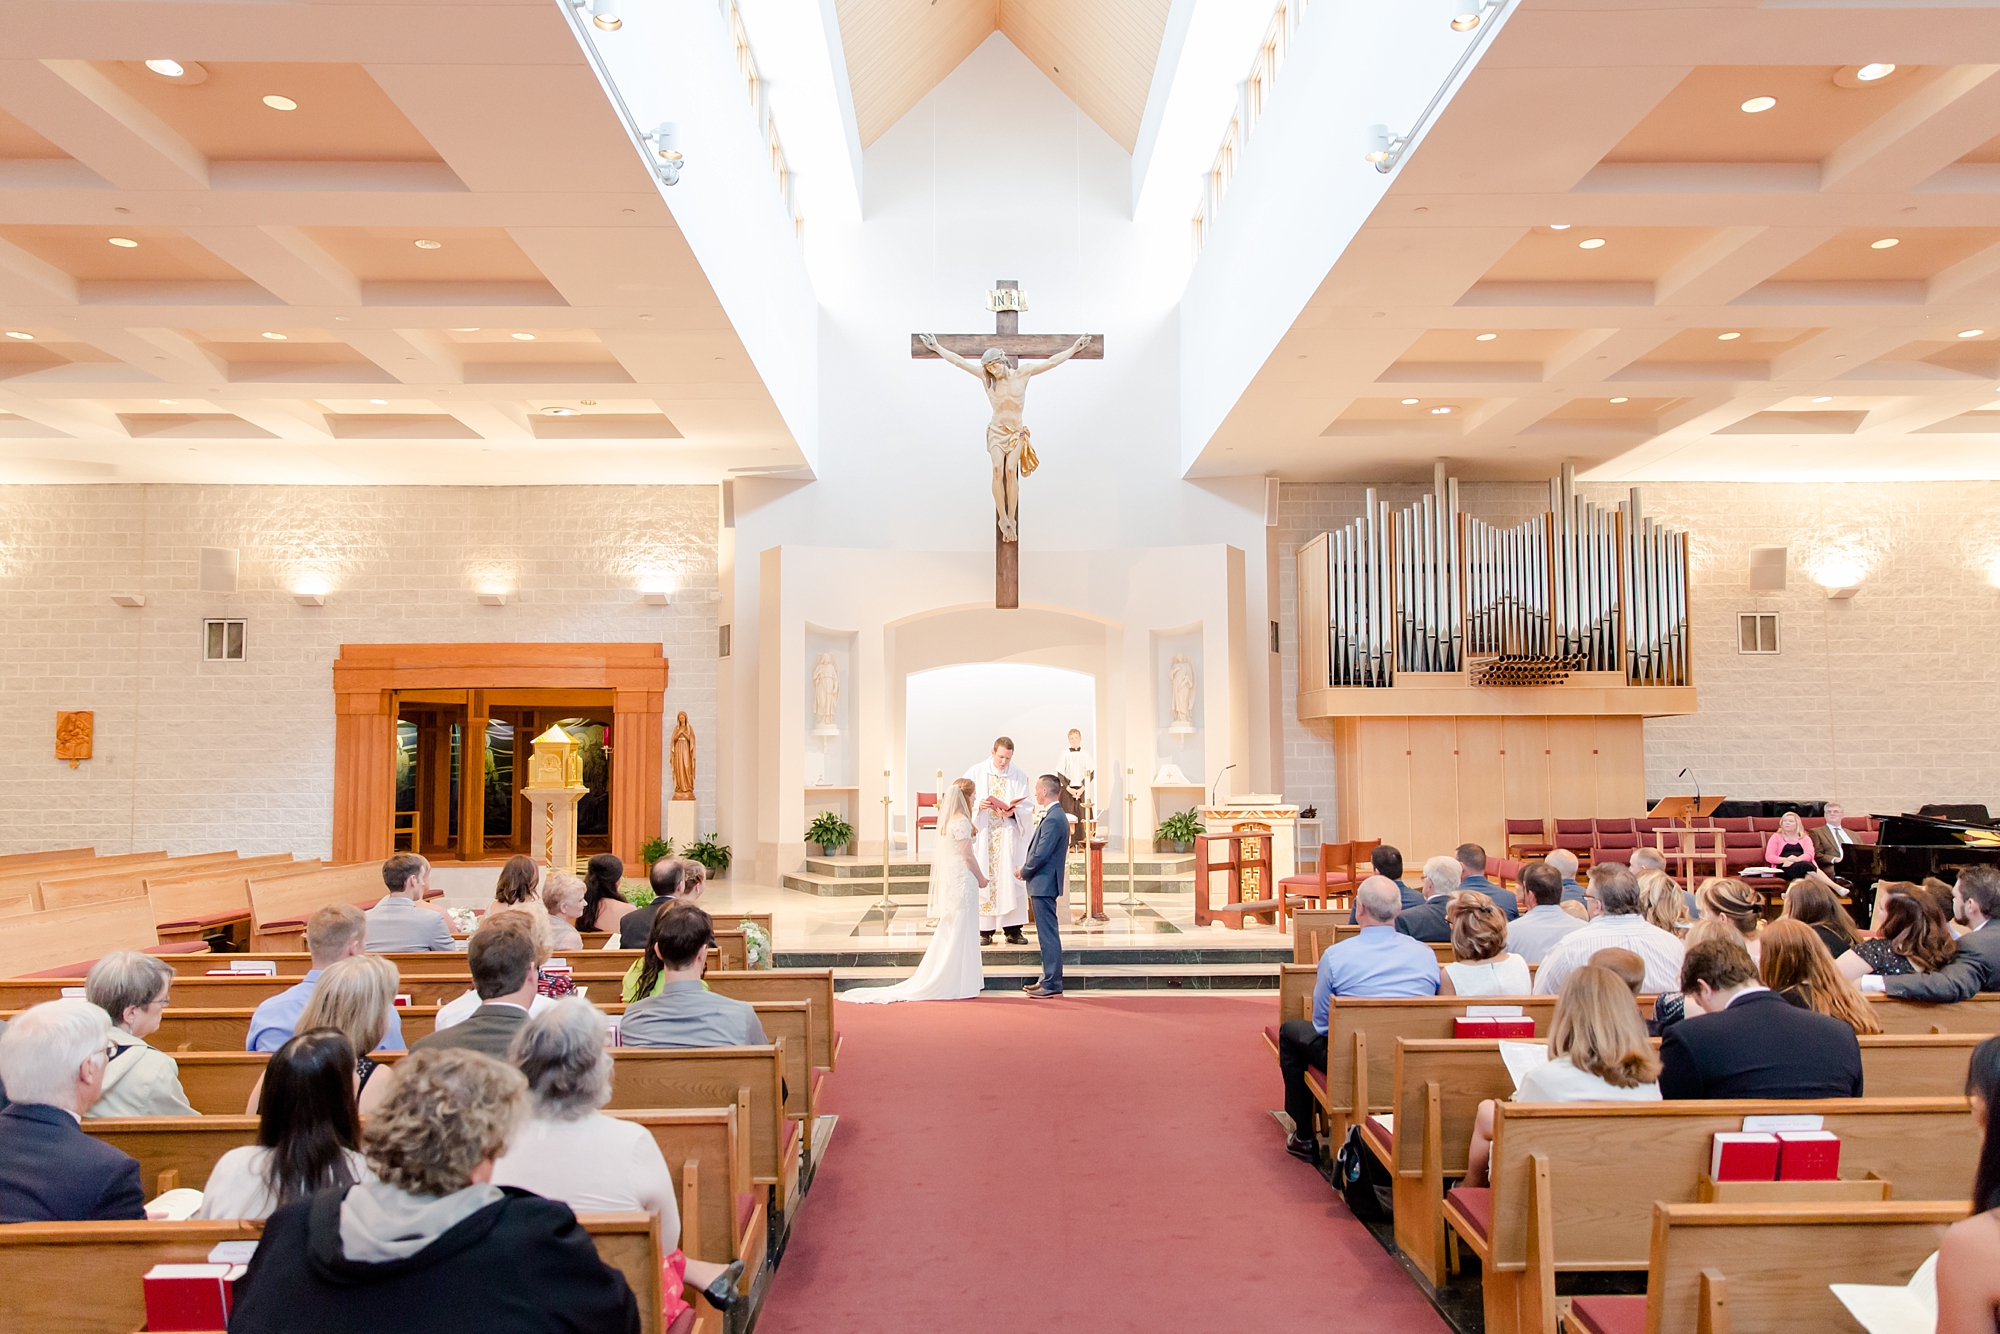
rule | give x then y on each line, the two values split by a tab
681	1013
1044	870
1975	902
502	959
399	921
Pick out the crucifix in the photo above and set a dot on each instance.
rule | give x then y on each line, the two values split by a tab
1000	373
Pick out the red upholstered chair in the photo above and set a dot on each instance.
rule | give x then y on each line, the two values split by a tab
1528	838
1505	871
1334	879
1743	848
1650	827
1576	836
925	801
1613	847
1765	824
1733	824
1620	825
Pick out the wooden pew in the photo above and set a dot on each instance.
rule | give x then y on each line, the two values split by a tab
218	1083
75	936
197	902
85	1278
758	985
188	1146
1979	1014
1765	1269
14	861
1313	932
280	905
123	882
1564	1175
20	885
1438	1086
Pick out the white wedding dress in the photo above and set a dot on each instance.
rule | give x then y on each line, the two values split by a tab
950	969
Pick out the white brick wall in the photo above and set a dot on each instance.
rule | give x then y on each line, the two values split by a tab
1886	702
194	755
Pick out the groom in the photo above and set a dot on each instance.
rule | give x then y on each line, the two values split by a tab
1043	869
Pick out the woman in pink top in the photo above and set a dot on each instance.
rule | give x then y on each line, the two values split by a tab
1790	849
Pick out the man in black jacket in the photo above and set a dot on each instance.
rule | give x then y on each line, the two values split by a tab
636	927
52	1062
1749	1042
501	955
1975	902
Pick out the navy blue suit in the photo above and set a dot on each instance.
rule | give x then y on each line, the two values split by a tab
51	1172
1044	870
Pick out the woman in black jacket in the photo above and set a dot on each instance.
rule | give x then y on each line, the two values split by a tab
432	1244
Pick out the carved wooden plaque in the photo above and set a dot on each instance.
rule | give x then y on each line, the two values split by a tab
74	729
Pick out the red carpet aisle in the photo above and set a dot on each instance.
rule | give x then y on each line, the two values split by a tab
1085	1166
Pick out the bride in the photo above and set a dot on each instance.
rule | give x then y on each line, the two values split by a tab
950	969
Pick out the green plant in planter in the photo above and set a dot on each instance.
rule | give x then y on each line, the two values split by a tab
829	831
710	853
655	849
1181	829
638	893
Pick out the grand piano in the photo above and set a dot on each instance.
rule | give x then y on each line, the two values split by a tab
1910	847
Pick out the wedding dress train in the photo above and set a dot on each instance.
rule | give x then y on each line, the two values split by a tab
951	969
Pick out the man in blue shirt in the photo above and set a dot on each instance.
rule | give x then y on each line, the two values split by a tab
1472	865
334	932
1377	963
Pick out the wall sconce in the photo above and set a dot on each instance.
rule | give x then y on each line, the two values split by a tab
655	598
310	599
492	599
129	599
1842	594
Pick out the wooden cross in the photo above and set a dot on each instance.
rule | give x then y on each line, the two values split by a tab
1007	336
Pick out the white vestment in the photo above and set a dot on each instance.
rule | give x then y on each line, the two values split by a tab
1075	765
1001	843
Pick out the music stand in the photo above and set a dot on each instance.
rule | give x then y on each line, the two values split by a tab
1685	809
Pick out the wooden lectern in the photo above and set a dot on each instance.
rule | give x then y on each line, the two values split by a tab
1684	809
1686	852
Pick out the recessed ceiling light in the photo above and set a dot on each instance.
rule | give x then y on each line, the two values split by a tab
1870	73
430	245
1485	338
1824	398
1594	243
1971	333
24	337
278	103
1727	337
1408	401
1757	104
379	402
1621	400
1558	226
124	243
169	69
1886	243
1439	412
276	337
473	329
525	337
560	412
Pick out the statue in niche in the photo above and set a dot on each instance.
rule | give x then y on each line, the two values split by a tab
73	735
682	754
1180	676
826	695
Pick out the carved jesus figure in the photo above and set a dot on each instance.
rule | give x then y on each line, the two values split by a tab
1006	437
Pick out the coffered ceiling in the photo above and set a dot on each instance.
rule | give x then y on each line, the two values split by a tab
345	242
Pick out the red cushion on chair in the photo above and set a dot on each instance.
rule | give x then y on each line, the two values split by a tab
1475	1204
746	1204
1382	1135
1607	1315
1316	1081
1301	881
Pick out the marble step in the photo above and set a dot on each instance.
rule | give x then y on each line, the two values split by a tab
829	886
1155	864
1096	977
905	958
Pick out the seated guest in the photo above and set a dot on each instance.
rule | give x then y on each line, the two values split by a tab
1427	921
52	1060
1913	937
1565	863
1537	930
1627	966
356	998
568	1150
1387	862
520	882
308	1132
1831	840
131	988
431	1243
549	987
1968	1260
604	901
1642	860
1576	908
1975	900
1661	901
1598	1052
1795	964
399	922
1482	966
562	895
680	1012
1941	894
1613	901
1380	961
665	878
1472	876
1815	901
1789	850
333	932
1736	903
1670	1007
1741	1040
501	955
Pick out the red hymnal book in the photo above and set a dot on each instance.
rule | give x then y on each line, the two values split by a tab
1477	1027
180	1297
1808	1155
1520	1026
1743	1156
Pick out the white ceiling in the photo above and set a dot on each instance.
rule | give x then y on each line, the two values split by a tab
1738	305
559	281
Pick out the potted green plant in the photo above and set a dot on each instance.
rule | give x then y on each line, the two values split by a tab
655	849
830	832
1179	832
710	853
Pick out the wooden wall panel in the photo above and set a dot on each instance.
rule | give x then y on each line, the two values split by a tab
1621	767
1434	786
1526	766
1482	784
1572	767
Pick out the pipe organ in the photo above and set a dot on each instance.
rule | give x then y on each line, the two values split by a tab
1473	673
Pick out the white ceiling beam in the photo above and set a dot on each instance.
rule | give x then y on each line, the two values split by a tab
1904	415
27	280
72	416
284	261
1974	268
1920	136
1735	260
286	418
74	106
493	421
181	352
414	356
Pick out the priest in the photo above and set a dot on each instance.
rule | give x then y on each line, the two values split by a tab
1002	819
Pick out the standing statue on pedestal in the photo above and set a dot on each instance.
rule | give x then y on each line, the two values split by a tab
826	695
1006	435
681	753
